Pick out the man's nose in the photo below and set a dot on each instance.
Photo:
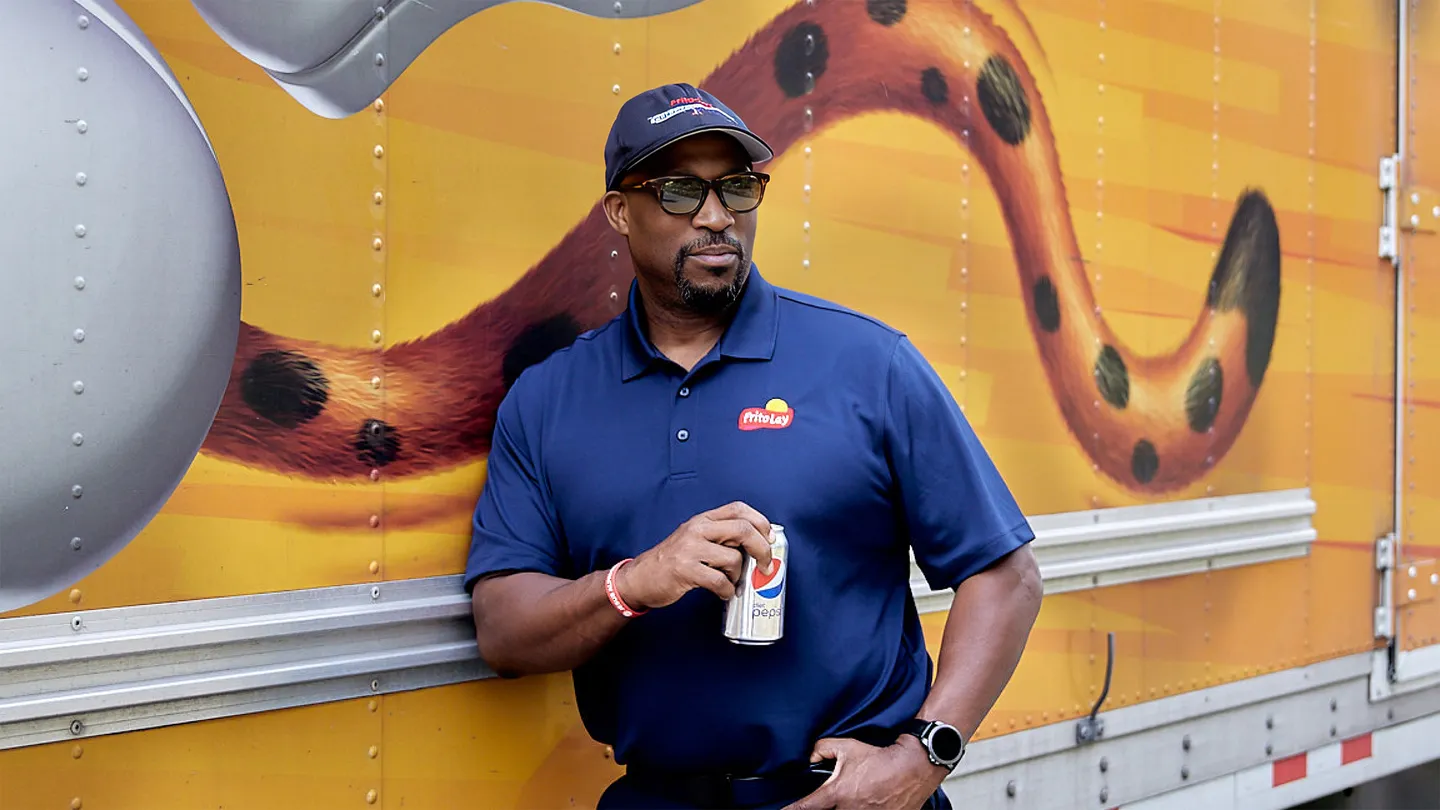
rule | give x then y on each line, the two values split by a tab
713	215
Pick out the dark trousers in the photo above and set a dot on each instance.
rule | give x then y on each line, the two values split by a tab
630	793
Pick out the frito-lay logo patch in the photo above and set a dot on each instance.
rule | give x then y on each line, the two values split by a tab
775	415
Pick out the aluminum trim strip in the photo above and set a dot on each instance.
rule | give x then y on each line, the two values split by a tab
1082	550
148	665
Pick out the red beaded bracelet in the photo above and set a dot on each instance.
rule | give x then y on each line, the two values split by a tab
625	610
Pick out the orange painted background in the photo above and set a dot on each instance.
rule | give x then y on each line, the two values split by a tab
1162	111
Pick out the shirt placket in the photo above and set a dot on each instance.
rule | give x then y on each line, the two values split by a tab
683	431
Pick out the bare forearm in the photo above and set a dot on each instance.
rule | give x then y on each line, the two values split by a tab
530	623
985	635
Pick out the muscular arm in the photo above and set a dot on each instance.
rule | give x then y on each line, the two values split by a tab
530	623
985	634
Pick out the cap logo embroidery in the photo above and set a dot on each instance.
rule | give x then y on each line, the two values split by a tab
695	107
775	415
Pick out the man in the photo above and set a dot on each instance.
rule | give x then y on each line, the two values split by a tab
624	491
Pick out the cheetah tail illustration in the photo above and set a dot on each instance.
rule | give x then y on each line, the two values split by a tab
1152	423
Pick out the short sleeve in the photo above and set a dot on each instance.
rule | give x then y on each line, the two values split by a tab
514	526
960	515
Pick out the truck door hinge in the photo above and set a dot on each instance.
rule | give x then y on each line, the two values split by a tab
1389	179
1385	564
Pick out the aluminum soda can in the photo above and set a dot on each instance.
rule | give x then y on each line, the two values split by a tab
755	615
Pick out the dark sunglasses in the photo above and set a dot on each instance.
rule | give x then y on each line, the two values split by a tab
683	196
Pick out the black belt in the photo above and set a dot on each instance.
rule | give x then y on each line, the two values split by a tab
718	790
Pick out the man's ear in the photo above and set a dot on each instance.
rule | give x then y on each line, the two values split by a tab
617	212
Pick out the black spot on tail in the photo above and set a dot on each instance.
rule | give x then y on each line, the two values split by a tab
933	86
1202	395
1003	100
285	387
1144	462
886	12
376	443
801	59
1112	378
1047	304
537	342
1247	277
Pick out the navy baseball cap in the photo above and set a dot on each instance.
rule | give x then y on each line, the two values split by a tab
659	117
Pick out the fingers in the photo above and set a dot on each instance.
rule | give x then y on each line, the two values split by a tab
713	581
742	533
739	510
723	558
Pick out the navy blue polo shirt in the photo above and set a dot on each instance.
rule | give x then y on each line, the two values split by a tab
604	448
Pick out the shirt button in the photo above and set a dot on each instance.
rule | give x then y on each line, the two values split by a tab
683	434
684	392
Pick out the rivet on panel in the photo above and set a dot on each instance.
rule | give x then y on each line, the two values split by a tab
83	22
79	282
76	491
375	594
375	290
82	127
77	752
76	623
374	566
79	335
614	254
379	60
77	439
82	74
81	178
80	231
615	88
379	105
76	804
375	383
374	751
375	336
374	524
1011	788
371	797
379	197
379	151
617	48
75	597
375	475
378	243
75	543
372	706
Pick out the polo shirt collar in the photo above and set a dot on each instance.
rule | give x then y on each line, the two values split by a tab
750	335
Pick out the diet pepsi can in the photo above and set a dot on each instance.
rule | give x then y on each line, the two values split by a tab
755	615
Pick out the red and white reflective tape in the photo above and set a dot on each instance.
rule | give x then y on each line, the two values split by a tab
1293	769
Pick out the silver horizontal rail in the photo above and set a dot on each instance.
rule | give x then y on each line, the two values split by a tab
1102	547
79	673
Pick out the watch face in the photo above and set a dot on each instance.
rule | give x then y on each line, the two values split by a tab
946	743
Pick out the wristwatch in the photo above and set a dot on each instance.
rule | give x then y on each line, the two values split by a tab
944	743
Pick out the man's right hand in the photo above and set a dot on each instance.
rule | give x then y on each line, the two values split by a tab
704	552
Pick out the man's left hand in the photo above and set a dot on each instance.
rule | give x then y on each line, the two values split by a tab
896	777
